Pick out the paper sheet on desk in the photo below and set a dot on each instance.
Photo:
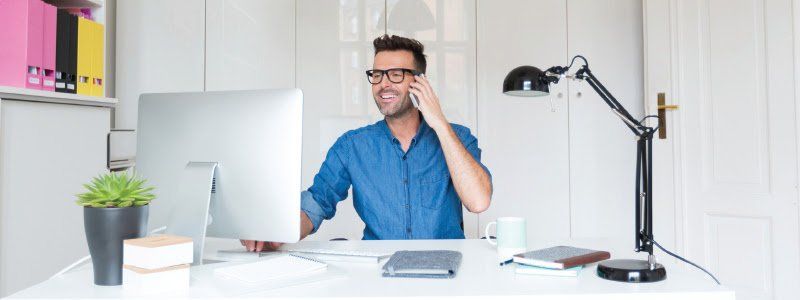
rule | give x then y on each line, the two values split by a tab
203	276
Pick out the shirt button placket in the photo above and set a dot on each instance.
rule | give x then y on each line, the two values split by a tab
408	196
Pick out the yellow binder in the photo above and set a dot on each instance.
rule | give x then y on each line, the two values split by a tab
98	60
84	70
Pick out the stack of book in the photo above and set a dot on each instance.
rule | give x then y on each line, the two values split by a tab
563	261
156	263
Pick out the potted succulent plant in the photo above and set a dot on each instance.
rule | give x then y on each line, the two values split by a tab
115	208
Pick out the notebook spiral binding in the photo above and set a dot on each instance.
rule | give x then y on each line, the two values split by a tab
307	258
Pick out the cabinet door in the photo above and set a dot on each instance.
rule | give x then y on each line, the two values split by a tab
47	151
334	48
524	140
447	29
160	48
602	149
250	44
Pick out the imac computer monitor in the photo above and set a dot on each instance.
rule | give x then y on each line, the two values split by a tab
228	160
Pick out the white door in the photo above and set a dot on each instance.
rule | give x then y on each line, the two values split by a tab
728	64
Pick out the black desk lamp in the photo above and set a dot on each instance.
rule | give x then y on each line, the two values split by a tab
528	81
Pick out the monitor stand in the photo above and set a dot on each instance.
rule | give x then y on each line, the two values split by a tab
191	220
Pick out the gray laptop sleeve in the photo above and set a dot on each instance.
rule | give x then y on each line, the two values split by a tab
423	264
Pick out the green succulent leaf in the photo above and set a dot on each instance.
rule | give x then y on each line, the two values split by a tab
116	189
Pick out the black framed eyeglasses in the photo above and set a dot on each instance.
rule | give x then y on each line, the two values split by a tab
396	75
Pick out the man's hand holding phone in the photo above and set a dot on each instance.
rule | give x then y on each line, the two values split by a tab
427	102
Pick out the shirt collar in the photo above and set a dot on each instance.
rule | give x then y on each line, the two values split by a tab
423	128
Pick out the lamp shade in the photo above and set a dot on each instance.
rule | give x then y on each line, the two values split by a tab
526	81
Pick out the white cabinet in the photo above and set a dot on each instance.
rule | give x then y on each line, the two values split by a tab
47	151
189	45
160	48
525	141
334	48
249	44
602	150
564	162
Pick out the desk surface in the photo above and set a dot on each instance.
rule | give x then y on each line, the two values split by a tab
479	276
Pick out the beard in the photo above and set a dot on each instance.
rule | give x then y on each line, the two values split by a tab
396	109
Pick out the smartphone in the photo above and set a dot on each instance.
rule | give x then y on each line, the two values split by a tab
414	99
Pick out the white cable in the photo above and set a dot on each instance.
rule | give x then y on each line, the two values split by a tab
75	264
88	257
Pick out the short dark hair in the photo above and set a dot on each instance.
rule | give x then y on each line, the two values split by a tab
394	43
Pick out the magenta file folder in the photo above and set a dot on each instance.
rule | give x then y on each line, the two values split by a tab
49	48
21	35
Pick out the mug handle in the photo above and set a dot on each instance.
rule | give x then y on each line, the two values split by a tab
488	239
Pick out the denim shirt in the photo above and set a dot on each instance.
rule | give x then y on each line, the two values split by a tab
398	195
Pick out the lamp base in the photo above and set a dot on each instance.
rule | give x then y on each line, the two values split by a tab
630	270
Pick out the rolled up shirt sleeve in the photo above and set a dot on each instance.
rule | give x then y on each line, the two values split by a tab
471	144
330	186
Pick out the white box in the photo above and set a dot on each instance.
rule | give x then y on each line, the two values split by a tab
138	281
157	252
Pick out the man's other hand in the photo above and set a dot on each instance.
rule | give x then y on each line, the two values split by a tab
258	246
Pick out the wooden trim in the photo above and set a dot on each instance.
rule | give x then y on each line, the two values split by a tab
159	270
156	241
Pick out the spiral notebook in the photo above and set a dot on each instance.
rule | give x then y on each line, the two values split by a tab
272	268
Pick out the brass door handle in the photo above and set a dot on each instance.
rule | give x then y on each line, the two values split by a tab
662	115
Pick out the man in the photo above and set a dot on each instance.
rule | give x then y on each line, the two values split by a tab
410	172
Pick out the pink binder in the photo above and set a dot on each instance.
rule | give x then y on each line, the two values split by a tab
49	48
21	35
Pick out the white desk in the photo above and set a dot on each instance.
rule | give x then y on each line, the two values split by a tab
479	276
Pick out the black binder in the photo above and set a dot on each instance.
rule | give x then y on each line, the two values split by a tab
72	71
66	52
62	50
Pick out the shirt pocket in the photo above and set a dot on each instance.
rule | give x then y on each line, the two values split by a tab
433	190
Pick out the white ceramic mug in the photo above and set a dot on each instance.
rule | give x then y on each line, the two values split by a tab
510	236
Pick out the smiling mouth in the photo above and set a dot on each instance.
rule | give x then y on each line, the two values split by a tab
388	97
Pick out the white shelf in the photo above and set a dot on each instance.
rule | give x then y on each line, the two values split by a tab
15	93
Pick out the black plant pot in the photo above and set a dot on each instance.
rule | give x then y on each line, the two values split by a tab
106	228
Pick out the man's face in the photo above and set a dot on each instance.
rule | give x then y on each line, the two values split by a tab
392	98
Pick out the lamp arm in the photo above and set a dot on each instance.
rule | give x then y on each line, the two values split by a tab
635	126
644	158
